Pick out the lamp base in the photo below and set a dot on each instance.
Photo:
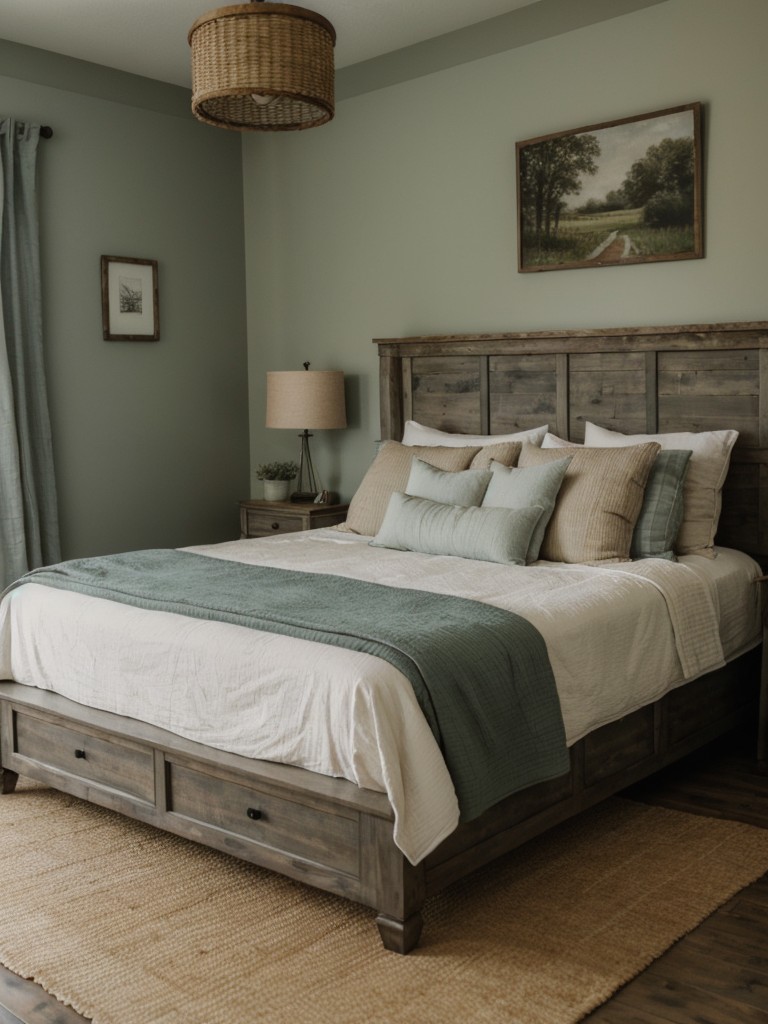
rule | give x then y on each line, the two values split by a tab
304	496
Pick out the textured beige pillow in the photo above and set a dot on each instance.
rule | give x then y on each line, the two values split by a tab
389	472
702	491
598	503
507	453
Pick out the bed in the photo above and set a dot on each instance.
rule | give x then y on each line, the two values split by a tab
365	807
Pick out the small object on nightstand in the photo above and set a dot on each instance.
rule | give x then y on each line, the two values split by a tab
269	518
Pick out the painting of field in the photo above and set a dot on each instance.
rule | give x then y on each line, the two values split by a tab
627	191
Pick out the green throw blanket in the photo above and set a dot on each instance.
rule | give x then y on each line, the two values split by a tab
481	675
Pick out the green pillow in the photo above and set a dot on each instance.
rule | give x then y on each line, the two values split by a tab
661	515
465	487
521	488
487	534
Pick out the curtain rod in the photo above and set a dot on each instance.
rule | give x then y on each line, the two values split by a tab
45	131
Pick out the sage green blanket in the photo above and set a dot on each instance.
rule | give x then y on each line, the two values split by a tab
480	674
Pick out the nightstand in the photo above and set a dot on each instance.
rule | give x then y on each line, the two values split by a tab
762	718
268	518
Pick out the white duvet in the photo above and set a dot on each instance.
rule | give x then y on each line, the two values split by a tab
618	637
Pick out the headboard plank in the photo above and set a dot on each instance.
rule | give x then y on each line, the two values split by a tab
632	379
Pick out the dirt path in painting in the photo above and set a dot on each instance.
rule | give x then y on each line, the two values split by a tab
613	249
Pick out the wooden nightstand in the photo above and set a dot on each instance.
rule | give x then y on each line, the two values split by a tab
762	718
267	518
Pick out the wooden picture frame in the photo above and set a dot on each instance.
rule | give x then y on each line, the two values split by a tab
611	194
129	299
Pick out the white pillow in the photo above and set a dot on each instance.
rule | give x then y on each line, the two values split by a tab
702	490
553	441
417	433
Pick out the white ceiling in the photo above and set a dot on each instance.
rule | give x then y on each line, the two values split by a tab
149	37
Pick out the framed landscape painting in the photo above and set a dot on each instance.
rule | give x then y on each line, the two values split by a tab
622	192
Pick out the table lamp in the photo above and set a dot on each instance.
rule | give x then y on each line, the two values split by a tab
306	400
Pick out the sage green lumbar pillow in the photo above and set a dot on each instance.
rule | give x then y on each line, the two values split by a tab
432	528
465	487
522	488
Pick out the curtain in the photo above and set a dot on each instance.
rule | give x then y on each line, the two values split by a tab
29	532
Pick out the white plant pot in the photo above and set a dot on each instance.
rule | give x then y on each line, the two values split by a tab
277	490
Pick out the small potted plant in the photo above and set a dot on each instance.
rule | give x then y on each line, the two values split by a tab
277	477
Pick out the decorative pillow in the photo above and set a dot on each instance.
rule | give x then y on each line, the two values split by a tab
389	473
417	433
521	488
507	453
702	490
487	534
599	501
660	517
553	441
466	487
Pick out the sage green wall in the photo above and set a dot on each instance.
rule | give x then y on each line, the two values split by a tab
150	439
398	217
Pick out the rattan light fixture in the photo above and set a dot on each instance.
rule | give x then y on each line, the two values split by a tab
262	67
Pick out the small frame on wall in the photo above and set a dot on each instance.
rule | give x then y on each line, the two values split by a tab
129	300
621	192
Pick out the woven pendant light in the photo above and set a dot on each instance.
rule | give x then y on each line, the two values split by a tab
262	67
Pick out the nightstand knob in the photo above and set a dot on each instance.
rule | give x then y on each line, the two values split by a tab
275	526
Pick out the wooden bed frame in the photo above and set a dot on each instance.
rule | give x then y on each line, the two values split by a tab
328	832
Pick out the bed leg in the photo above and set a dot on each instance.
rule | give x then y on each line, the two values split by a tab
8	780
400	936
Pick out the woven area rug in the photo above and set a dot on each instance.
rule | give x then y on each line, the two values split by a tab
130	926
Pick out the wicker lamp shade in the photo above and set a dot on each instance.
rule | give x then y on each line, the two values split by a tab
262	67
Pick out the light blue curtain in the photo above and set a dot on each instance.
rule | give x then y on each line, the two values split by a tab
29	531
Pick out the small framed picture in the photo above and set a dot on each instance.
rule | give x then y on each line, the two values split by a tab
129	302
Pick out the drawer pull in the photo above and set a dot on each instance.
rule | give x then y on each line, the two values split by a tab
80	754
253	813
275	526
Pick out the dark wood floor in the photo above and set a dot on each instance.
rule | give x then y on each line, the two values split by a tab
716	975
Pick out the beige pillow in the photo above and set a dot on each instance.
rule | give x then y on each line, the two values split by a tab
598	503
702	491
389	473
507	453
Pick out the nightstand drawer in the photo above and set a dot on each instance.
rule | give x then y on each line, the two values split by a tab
267	524
271	518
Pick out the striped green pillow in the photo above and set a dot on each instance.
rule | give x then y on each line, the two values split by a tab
661	515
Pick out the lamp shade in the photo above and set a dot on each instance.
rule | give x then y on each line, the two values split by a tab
262	67
306	399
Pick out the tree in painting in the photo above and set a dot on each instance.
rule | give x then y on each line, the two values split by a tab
662	183
549	172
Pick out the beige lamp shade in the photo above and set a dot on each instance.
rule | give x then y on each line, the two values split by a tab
306	399
262	67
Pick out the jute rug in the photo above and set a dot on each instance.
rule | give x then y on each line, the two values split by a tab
130	926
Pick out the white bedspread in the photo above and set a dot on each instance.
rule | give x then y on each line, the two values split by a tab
618	637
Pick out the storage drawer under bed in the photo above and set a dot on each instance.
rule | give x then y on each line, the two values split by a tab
82	754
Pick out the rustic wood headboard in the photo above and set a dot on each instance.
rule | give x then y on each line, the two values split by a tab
636	380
